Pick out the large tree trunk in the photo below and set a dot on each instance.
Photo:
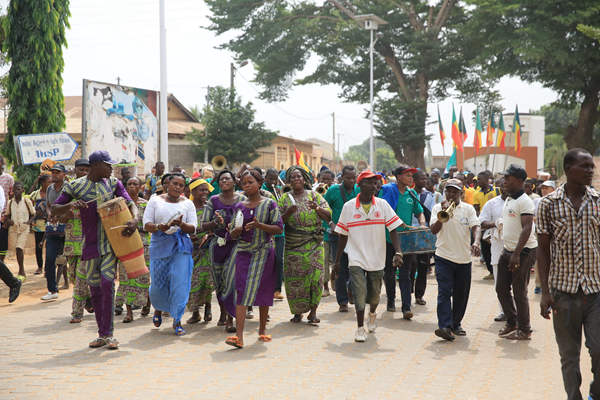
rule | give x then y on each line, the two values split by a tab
415	156
582	135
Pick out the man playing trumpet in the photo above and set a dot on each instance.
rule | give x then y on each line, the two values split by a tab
453	222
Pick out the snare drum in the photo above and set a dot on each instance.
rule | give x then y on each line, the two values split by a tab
417	241
114	214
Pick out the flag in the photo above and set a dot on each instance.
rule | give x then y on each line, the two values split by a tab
517	131
300	159
456	136
461	127
451	161
442	134
491	129
501	133
477	138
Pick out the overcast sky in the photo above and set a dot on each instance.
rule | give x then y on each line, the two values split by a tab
110	39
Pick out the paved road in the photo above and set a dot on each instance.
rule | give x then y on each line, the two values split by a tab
45	357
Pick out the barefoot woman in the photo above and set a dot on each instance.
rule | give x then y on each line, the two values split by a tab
202	287
303	210
250	272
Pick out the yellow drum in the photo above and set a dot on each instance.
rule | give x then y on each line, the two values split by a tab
114	214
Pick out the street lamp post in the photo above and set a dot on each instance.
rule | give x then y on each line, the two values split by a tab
370	22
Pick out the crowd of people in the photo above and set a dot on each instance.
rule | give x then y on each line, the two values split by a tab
251	237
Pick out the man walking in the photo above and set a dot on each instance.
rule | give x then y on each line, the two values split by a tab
361	227
418	273
403	201
569	266
453	252
517	257
6	182
97	254
55	232
336	197
7	277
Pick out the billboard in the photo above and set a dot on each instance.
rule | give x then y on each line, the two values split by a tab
122	120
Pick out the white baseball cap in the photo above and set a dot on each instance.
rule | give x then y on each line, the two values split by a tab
549	184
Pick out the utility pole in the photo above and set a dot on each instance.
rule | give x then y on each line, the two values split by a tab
333	141
163	113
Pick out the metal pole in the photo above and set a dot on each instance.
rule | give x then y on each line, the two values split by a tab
163	114
333	141
371	144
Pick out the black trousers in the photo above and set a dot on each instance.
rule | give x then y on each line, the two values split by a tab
486	253
7	276
404	280
420	269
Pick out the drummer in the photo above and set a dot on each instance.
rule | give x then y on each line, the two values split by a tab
100	260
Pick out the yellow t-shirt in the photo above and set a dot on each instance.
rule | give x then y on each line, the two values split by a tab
469	196
482	198
366	207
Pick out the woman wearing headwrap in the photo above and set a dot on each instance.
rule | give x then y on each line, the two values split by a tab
302	211
202	287
134	292
216	217
170	218
250	271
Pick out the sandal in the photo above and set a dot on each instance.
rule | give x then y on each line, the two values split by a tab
221	323
98	342
296	318
145	311
38	272
179	331
313	320
113	344
265	338
230	329
234	341
127	319
207	314
157	320
75	320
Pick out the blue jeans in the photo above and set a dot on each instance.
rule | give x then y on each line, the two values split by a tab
404	279
343	279
279	247
54	247
454	285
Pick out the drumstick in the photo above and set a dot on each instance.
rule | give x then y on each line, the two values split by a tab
118	226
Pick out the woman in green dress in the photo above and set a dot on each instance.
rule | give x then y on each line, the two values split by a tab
134	292
303	210
202	287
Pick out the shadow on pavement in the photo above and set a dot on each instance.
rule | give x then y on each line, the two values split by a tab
357	350
251	351
83	356
516	349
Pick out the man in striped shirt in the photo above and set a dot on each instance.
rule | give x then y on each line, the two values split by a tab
361	227
568	256
100	261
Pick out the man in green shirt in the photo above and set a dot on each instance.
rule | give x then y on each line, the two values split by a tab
336	197
404	201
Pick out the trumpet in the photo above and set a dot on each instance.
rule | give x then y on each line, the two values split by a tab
445	215
322	188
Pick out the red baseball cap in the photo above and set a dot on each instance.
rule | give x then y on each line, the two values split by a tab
366	174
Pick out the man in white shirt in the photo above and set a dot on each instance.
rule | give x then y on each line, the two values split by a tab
7	277
518	256
361	227
453	252
491	224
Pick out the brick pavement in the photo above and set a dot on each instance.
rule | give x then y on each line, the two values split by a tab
45	357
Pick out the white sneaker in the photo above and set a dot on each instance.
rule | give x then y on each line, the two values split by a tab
50	296
360	335
372	322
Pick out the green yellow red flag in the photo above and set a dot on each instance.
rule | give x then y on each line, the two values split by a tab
517	131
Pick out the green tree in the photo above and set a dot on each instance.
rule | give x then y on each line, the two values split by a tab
420	56
230	129
538	41
554	152
35	36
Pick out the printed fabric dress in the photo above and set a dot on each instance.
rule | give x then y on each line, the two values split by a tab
304	254
221	245
76	270
202	286
134	292
250	273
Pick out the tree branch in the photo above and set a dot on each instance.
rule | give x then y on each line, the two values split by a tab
442	16
392	61
344	10
412	15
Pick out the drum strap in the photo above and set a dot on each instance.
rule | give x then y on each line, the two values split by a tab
426	211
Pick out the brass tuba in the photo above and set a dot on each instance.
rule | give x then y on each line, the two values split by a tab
322	188
47	165
218	162
445	215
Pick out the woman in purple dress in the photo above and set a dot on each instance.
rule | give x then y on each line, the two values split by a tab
250	273
217	215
